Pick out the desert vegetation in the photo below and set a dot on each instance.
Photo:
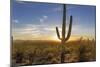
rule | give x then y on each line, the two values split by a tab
28	52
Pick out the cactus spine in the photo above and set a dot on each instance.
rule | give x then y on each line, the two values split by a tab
64	38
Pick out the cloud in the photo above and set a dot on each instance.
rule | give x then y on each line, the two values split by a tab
43	18
33	30
37	31
15	21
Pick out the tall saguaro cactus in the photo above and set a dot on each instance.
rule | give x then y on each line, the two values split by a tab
64	38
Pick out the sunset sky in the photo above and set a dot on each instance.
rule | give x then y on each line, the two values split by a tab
37	21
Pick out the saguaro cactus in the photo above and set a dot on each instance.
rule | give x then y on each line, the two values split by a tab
64	38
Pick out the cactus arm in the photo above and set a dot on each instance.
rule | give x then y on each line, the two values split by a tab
69	30
64	22
57	31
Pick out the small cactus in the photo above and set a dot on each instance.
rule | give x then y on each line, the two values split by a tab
64	39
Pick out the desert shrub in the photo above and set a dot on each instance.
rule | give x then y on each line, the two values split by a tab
87	51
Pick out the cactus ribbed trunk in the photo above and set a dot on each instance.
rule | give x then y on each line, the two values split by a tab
64	22
62	52
64	38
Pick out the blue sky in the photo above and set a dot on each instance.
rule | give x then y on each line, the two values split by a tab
31	20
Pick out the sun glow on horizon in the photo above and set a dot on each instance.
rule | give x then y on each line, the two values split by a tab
53	38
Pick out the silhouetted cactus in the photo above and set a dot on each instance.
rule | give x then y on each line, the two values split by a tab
64	39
